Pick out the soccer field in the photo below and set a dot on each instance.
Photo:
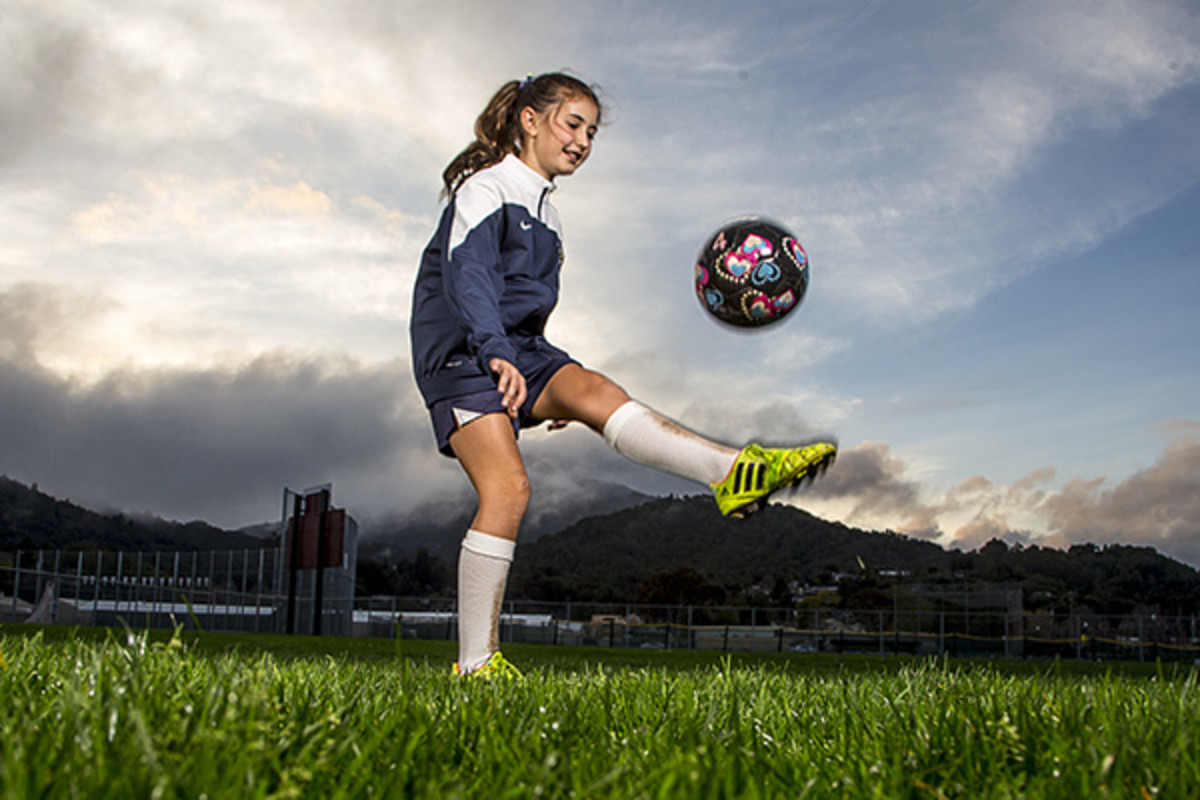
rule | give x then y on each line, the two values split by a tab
92	713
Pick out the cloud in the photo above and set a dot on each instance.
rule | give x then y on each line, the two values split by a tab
1158	506
42	60
215	443
218	445
297	200
867	487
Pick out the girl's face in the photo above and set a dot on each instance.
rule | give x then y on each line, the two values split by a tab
559	140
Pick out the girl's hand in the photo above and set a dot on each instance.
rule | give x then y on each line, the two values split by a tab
510	383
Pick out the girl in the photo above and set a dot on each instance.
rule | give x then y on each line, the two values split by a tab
486	285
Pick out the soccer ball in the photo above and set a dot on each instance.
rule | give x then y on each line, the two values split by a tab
750	273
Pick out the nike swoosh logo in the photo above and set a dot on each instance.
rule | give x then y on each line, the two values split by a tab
526	225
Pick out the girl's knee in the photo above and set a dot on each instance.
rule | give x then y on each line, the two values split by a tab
601	388
510	491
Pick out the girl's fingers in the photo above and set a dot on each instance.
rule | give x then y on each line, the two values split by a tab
511	384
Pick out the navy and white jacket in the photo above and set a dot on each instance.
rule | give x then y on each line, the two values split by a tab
487	282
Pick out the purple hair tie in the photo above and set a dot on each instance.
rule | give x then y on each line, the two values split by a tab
526	82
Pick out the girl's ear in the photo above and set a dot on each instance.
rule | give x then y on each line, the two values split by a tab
528	118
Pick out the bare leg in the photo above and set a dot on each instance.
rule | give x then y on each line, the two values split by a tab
635	431
487	450
580	395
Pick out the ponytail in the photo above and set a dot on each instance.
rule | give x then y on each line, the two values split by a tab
498	129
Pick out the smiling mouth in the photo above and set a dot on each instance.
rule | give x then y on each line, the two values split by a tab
573	157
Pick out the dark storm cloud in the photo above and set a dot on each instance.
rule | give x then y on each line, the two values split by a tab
873	480
216	444
212	443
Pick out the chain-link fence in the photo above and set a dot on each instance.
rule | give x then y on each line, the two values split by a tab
962	633
227	590
249	591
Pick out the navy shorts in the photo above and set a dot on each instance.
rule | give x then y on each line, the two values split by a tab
537	367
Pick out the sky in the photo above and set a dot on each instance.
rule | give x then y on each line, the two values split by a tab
211	216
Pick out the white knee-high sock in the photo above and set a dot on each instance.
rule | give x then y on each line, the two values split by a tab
649	438
483	562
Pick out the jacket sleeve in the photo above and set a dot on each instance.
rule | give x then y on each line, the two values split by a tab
473	275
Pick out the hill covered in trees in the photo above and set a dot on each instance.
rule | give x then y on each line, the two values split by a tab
680	551
670	550
31	520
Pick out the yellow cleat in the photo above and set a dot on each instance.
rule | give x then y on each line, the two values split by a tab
759	472
497	667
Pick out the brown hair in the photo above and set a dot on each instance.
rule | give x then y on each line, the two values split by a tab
497	129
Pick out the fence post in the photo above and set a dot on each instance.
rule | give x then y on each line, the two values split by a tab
78	578
38	580
244	596
137	584
57	586
258	587
192	596
16	582
157	593
120	576
96	593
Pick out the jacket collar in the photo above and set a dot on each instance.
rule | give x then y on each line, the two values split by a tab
527	174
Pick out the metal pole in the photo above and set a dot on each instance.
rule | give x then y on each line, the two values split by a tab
212	587
57	586
174	583
37	581
293	562
78	578
137	584
16	582
157	586
322	537
258	591
96	593
194	588
120	576
245	593
228	587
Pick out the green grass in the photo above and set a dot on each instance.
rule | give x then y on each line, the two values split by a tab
94	713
